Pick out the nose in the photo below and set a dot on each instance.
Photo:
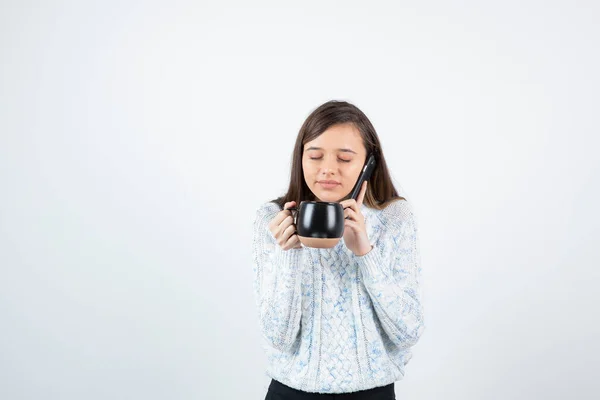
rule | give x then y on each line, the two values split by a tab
329	167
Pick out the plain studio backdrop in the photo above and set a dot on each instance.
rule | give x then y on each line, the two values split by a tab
137	140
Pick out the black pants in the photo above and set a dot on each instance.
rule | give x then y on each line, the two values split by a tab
279	391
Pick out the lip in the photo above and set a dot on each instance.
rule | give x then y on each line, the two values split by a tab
328	184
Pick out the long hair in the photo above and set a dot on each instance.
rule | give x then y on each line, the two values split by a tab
380	189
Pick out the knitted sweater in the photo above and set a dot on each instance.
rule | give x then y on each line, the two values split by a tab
334	322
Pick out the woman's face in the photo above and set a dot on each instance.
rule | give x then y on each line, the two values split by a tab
332	162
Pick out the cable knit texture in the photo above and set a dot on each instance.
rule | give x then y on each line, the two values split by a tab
334	322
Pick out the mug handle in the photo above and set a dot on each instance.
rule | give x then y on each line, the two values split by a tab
293	215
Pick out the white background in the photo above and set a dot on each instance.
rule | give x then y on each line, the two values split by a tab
138	138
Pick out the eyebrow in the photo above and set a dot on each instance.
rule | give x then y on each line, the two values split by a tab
319	148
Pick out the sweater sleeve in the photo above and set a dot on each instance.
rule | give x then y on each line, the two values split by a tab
277	283
391	273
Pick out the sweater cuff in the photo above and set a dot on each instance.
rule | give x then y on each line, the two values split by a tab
371	266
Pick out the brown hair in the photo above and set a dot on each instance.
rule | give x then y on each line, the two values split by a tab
380	190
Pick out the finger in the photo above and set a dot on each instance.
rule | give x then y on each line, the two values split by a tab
349	204
292	242
285	235
277	230
281	215
352	225
285	224
296	243
351	214
361	195
290	238
287	206
356	216
276	221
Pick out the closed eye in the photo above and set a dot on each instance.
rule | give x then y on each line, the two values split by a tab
340	159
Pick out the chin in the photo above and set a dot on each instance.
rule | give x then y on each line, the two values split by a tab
330	197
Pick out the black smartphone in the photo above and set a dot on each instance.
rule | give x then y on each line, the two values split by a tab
364	176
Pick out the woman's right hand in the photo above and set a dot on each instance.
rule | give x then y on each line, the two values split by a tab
283	229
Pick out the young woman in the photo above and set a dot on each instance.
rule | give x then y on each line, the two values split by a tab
340	320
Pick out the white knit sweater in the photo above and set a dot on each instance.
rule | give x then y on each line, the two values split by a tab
334	322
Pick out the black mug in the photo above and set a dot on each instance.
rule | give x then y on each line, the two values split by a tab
319	224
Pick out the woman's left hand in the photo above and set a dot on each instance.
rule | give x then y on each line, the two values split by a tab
355	231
